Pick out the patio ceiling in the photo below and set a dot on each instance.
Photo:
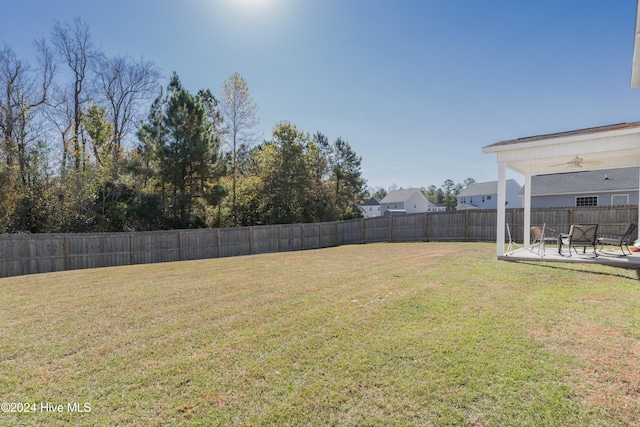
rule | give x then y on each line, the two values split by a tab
604	147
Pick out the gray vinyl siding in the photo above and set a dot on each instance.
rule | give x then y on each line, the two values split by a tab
559	201
485	195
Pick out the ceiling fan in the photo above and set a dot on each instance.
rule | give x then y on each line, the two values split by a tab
577	162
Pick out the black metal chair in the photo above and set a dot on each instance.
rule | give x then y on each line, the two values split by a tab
620	240
579	235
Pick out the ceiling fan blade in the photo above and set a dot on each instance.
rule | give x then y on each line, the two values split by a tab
575	162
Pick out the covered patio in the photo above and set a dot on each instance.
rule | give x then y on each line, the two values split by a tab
604	147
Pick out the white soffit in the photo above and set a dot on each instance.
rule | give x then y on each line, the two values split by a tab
611	147
635	66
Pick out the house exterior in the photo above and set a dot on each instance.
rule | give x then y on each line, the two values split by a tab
598	148
435	208
371	207
611	146
484	195
605	187
410	201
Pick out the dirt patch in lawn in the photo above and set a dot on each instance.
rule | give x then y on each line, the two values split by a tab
608	373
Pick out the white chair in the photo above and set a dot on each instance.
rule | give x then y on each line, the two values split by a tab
512	245
539	239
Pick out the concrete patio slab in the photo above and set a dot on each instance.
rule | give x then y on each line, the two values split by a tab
610	257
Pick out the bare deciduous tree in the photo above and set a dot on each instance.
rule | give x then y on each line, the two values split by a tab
239	114
123	85
74	47
23	90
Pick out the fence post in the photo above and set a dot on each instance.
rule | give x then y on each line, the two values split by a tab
391	228
250	240
362	232
67	257
302	236
279	237
33	262
466	225
570	216
180	256
131	248
219	243
426	226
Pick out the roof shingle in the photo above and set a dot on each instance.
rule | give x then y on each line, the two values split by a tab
483	188
591	181
399	196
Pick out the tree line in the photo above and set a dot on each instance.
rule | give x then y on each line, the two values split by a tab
94	143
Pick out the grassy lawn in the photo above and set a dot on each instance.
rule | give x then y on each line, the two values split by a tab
424	334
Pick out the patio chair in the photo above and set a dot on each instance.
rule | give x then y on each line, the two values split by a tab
620	240
539	237
511	248
579	235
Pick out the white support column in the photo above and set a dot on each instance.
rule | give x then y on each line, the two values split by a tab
502	197
527	210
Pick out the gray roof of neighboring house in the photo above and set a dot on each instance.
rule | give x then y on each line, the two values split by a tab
593	181
466	206
483	188
400	196
374	201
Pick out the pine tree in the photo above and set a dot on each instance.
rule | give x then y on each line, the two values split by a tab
185	153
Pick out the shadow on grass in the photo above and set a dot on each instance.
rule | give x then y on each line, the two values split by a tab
566	268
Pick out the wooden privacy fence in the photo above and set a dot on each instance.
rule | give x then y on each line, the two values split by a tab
611	220
39	253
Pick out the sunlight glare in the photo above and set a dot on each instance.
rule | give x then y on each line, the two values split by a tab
251	4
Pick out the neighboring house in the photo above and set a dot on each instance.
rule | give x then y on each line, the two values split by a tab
484	195
435	208
605	187
371	207
410	201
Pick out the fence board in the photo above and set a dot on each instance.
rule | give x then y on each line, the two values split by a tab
312	236
264	239
482	225
407	228
156	246
351	232
235	241
199	244
376	229
290	237
447	226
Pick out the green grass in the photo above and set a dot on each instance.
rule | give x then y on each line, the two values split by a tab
424	334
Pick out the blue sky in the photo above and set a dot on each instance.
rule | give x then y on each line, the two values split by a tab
416	87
